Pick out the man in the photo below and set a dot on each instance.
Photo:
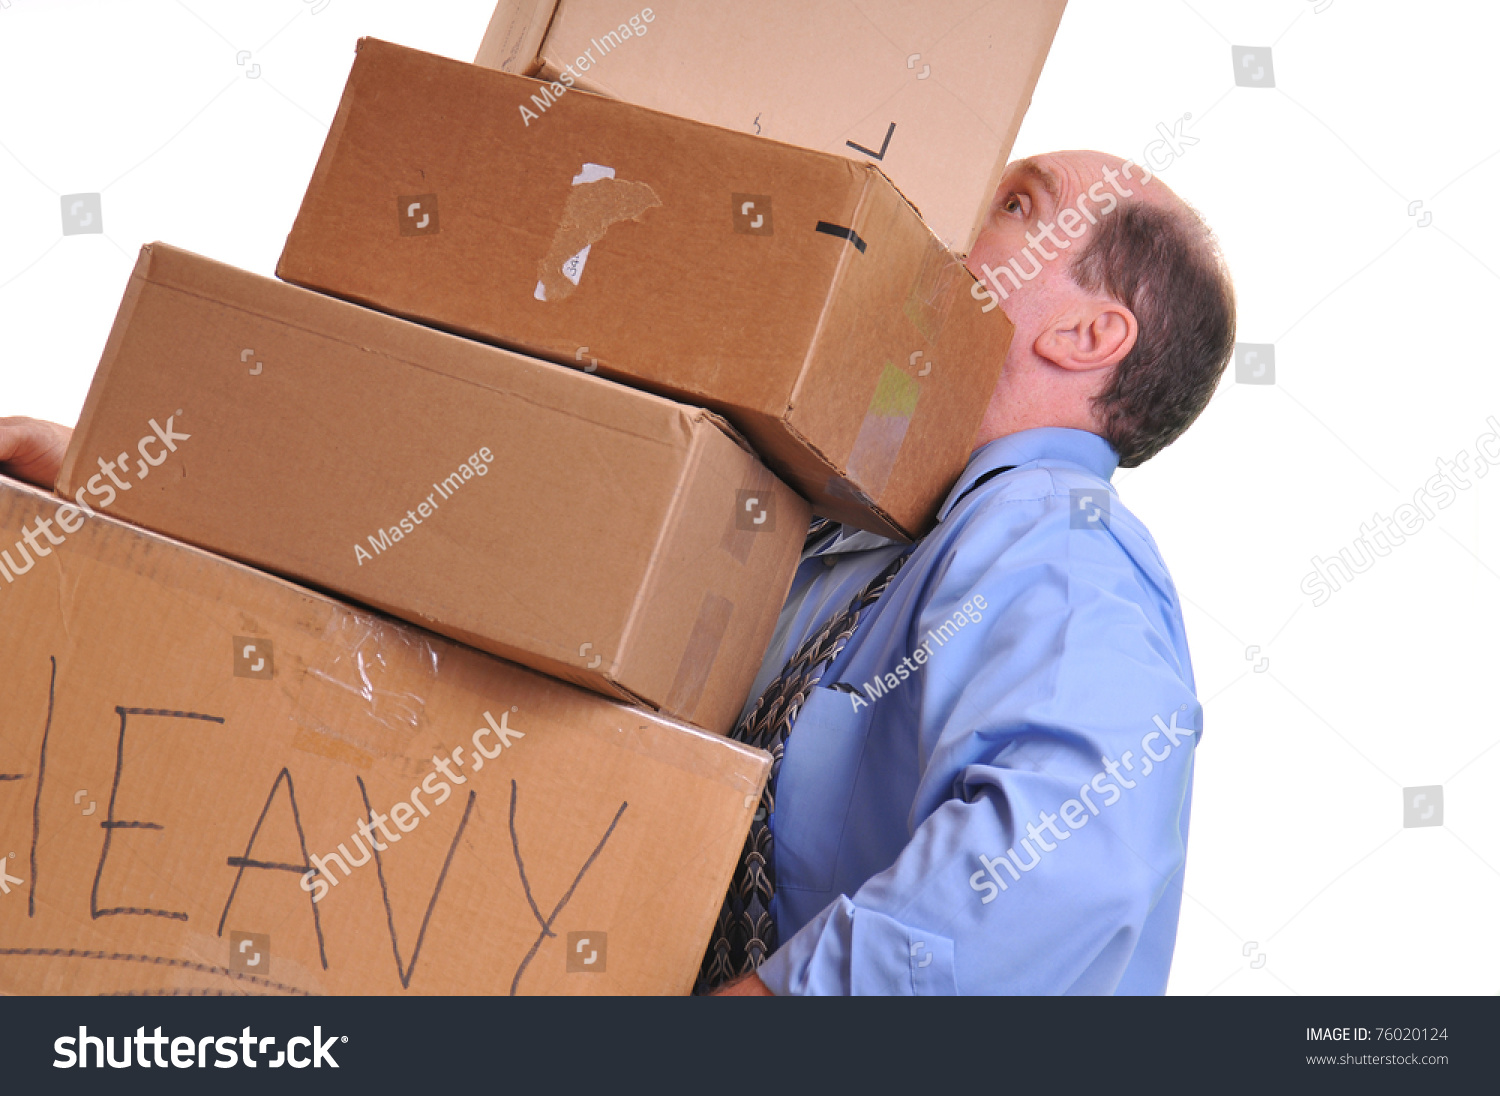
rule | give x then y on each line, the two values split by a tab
988	751
986	789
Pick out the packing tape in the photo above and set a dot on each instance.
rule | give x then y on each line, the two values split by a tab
390	669
702	652
938	283
882	432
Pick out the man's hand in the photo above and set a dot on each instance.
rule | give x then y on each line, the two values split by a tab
748	985
32	450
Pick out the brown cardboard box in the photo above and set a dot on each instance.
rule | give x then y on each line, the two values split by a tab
933	93
794	291
591	531
184	738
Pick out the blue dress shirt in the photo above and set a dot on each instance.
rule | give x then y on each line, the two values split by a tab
988	791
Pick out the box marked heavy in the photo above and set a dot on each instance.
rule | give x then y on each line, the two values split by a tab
168	812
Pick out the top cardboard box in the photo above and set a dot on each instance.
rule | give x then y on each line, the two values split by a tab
933	93
796	292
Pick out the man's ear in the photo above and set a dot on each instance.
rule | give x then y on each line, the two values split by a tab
1091	335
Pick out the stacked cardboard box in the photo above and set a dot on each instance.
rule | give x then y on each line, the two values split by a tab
794	291
536	348
185	740
932	93
590	531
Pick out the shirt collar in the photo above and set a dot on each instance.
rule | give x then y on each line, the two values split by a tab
1058	443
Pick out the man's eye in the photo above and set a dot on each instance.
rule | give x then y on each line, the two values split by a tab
1013	204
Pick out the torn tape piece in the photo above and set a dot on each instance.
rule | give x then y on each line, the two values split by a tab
597	201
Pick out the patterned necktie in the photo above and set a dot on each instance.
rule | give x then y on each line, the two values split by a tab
745	933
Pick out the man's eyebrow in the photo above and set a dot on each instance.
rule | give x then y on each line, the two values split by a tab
1047	180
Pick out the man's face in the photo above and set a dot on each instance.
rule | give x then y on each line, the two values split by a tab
1040	218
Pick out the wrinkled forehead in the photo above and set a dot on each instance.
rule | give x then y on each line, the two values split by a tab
1066	175
1035	169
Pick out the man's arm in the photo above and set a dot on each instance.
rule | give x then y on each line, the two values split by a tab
32	450
1042	835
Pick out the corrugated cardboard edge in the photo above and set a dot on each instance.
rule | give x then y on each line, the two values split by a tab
514	37
325	157
1003	158
871	178
691	419
140	277
862	174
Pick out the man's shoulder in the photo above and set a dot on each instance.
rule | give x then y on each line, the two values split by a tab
1056	508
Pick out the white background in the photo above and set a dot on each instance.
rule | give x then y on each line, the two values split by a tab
1301	877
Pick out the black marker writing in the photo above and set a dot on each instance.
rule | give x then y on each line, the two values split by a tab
546	923
243	862
41	774
405	973
111	823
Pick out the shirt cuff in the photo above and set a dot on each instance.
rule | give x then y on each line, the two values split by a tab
849	951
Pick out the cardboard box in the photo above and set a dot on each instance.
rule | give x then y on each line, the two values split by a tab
596	533
794	291
183	739
933	93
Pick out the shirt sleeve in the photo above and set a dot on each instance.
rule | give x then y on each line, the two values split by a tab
1053	732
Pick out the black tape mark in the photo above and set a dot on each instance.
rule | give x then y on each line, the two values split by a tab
41	775
842	233
111	823
883	145
243	862
405	973
157	960
11	776
515	844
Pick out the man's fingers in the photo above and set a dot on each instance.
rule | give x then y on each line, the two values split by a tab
32	450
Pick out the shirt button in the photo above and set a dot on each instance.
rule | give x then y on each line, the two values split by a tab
829	560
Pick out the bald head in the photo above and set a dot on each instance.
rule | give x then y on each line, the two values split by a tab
1122	307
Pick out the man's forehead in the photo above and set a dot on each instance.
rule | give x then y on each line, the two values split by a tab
1033	168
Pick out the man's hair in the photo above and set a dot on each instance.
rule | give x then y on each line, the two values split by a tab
1165	267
